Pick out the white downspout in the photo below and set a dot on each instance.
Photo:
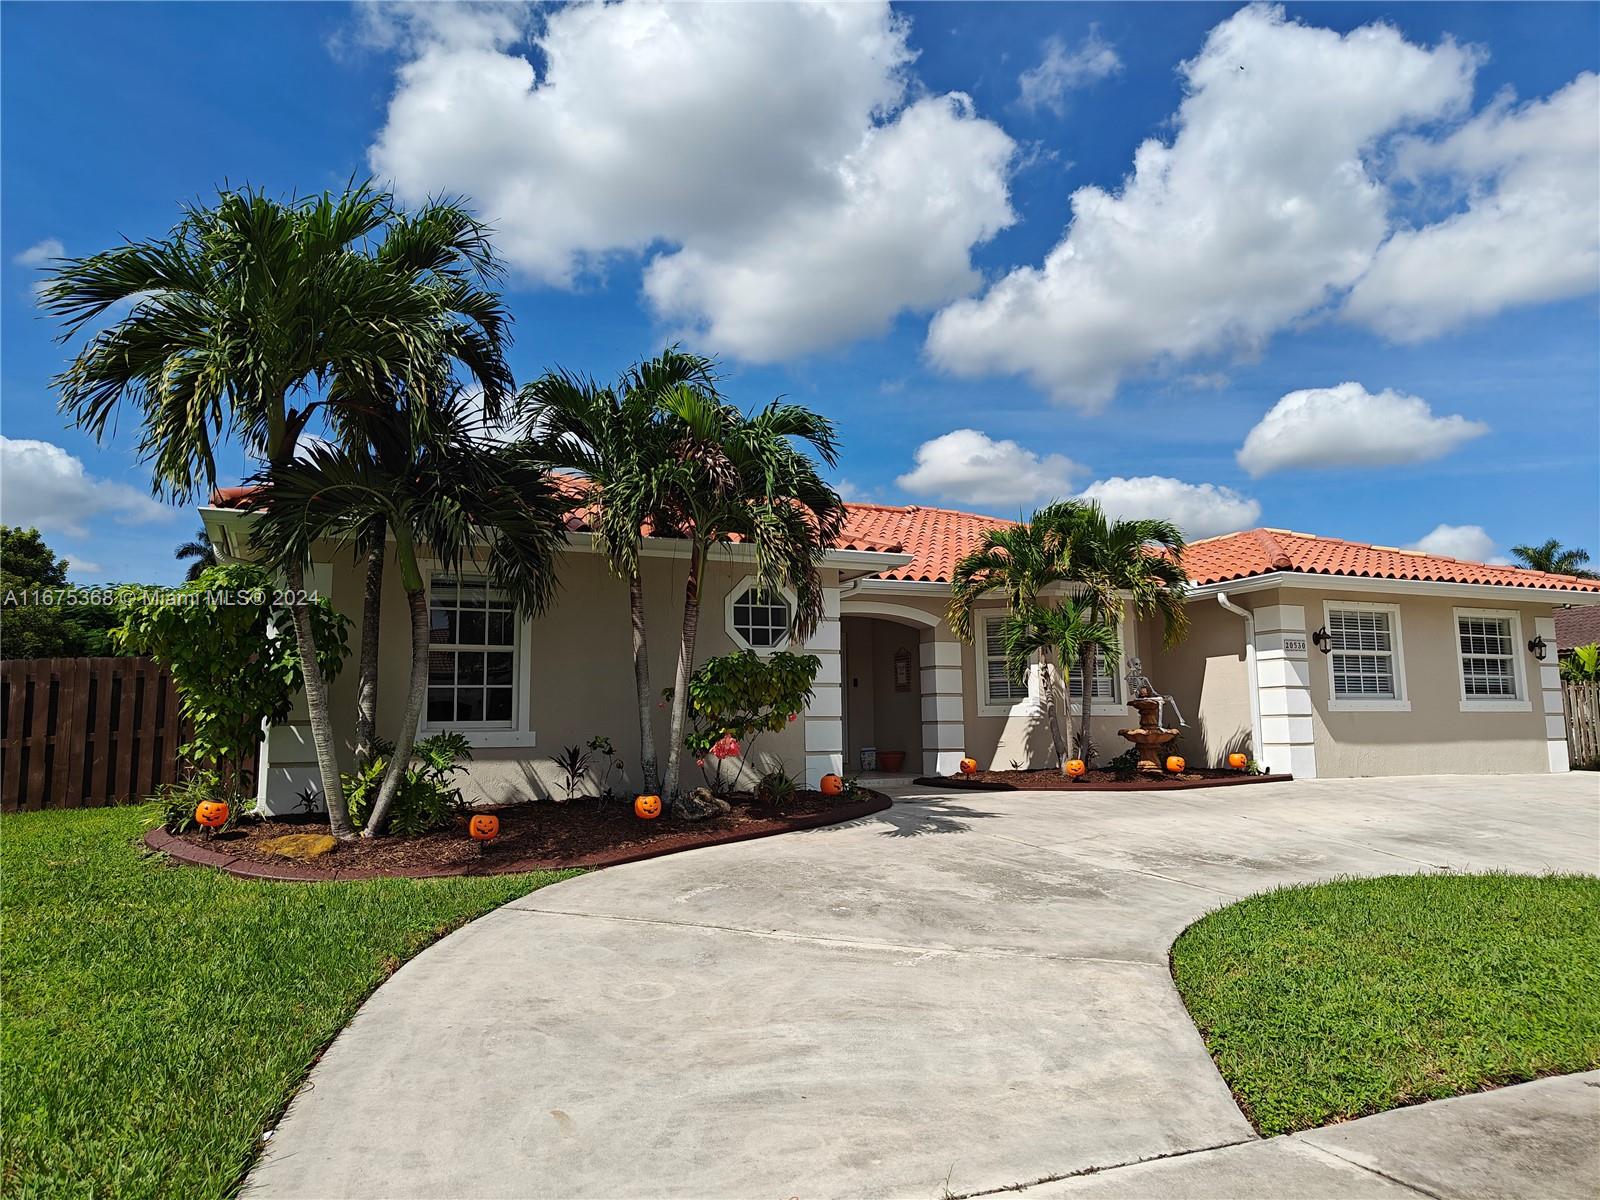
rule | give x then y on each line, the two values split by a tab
1252	675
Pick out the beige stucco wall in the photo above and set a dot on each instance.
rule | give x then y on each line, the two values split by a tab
579	657
1435	736
1206	675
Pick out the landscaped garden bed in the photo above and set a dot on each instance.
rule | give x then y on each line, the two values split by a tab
1324	1003
584	832
1096	779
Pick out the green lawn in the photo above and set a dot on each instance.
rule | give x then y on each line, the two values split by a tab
156	1017
1337	1000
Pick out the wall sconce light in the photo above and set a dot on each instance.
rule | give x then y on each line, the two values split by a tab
1321	641
1538	646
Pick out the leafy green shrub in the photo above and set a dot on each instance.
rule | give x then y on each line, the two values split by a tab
734	698
777	787
233	671
1582	665
426	800
1125	765
573	762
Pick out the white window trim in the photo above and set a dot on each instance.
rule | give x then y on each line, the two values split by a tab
494	735
1022	707
1402	700
739	589
1116	706
1523	701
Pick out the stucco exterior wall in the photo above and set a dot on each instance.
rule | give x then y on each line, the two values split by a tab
1206	675
1433	735
579	663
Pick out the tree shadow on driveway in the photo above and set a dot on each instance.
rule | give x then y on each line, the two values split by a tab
915	818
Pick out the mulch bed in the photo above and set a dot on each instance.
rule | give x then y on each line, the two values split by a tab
533	837
1099	780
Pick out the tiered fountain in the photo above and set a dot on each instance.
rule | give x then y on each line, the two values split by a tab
1151	735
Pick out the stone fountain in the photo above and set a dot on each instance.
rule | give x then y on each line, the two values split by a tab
1149	738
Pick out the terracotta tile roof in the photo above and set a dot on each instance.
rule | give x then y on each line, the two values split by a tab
937	538
1258	551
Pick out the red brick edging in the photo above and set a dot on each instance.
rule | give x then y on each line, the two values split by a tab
951	783
190	853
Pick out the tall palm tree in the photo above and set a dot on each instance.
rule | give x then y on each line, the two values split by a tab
429	481
253	315
1555	558
1020	561
741	476
617	440
1112	562
201	550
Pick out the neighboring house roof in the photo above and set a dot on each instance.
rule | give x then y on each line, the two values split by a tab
938	538
1260	551
1577	626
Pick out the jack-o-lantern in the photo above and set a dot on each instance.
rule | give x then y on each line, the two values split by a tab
647	808
832	785
213	814
483	827
1076	767
1175	764
1238	762
969	766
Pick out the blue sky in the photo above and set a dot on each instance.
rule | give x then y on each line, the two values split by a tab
873	212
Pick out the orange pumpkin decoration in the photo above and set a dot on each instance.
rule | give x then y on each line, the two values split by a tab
213	814
1076	767
647	808
483	826
832	785
1175	764
1238	761
969	766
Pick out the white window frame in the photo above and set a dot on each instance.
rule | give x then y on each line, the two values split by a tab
491	734
739	589
1522	702
988	707
1402	696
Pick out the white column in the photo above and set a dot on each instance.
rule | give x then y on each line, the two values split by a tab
944	728
1288	739
1555	714
287	765
824	718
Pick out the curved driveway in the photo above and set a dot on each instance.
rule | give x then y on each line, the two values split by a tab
959	994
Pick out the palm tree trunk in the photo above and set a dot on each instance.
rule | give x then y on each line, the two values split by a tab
1086	665
316	689
1052	713
400	760
641	679
367	679
680	689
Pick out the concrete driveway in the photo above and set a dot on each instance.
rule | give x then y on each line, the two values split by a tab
963	993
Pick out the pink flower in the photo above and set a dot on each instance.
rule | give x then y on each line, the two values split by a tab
727	746
699	762
794	716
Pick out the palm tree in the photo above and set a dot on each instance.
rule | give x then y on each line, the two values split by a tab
1110	562
617	439
1065	629
429	481
1553	557
201	550
253	315
737	475
1020	561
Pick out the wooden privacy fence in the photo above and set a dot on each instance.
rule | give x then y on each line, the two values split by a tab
85	732
1583	720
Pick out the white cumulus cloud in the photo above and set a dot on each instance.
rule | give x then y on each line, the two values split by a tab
1063	70
1262	208
1460	541
1530	231
763	160
40	253
1348	426
44	487
1199	509
970	467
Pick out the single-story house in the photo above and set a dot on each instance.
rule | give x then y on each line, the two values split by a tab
1317	656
